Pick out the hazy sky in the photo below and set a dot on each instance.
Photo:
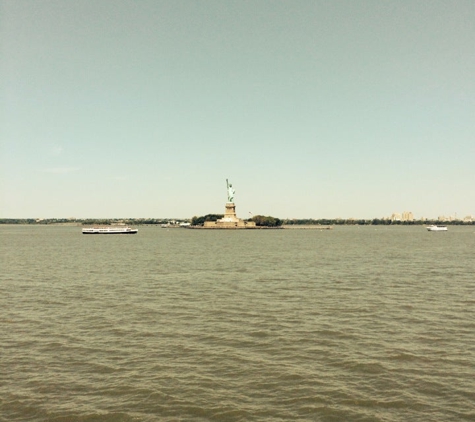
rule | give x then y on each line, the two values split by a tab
316	109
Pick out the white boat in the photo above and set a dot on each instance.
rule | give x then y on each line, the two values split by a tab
109	230
434	228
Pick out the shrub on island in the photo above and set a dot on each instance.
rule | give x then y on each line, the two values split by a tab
266	221
199	221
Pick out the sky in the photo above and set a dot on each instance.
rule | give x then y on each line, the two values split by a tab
311	109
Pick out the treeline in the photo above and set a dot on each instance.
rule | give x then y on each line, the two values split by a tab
17	221
374	222
93	221
266	221
260	220
200	221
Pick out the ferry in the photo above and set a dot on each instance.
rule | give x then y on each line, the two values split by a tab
109	230
434	228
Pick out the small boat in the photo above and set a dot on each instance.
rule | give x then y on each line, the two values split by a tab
109	230
435	228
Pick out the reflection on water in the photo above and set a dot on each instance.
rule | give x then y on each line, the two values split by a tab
356	323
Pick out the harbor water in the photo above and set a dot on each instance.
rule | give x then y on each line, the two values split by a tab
369	323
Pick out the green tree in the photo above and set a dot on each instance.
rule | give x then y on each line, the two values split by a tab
266	221
199	221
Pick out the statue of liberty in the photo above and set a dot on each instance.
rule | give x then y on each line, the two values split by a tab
231	191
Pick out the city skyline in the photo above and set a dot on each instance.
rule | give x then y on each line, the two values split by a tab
312	109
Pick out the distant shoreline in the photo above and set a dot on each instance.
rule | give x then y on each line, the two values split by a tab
321	224
306	227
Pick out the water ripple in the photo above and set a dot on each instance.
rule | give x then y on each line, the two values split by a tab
351	324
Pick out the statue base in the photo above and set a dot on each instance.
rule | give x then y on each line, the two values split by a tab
230	220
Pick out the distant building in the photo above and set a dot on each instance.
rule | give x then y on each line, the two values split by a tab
405	216
396	217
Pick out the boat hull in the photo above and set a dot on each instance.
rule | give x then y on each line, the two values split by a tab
437	228
134	232
97	230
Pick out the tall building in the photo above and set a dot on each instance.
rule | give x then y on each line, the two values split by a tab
405	216
396	216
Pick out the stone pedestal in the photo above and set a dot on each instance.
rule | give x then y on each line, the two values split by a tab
230	212
230	220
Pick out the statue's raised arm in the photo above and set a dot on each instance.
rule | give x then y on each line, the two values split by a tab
231	191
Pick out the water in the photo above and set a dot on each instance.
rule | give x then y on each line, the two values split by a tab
352	324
